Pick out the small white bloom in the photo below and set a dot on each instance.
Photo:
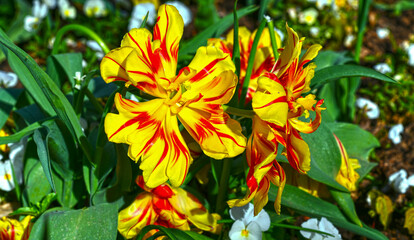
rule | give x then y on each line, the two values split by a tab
51	4
67	11
39	11
314	31
395	133
84	63
95	8
139	12
16	155
292	13
281	34
398	77
383	68
349	39
83	123
6	176
8	79
410	52
383	32
308	16
246	225
320	4
95	47
78	80
323	225
184	11
372	108
399	181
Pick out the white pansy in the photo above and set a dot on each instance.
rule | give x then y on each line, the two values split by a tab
95	8
410	52
39	11
94	45
399	181
292	13
6	176
66	10
323	225
314	31
395	133
246	225
383	32
8	79
308	16
84	63
139	12
78	80
51	4
349	39
184	11
398	77
383	68
371	107
16	155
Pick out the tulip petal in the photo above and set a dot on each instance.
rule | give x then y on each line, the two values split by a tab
113	65
148	127
136	216
297	152
312	125
289	53
269	102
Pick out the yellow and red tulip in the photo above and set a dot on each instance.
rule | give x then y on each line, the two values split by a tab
278	104
11	229
264	58
347	176
165	206
194	97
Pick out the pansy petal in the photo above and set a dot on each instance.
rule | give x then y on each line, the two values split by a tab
218	135
113	65
269	102
209	62
136	216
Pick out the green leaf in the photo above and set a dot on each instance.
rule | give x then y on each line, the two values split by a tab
97	222
64	66
8	98
341	71
311	206
331	58
44	156
45	91
22	133
36	182
172	233
214	30
346	203
325	156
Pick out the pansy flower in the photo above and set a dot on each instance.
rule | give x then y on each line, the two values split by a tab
193	97
278	104
263	60
165	206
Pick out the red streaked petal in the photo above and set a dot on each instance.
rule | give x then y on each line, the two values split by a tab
113	65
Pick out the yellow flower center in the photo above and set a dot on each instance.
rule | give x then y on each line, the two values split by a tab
245	233
7	176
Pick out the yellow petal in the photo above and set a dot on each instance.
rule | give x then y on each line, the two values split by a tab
409	220
297	152
113	65
289	53
347	176
312	125
269	101
136	216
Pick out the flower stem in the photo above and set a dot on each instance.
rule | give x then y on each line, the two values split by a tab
78	28
239	112
223	186
273	38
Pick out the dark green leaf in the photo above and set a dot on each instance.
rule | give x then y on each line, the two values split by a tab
341	71
346	203
64	66
43	154
8	98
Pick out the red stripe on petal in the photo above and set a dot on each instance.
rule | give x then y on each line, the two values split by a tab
206	70
277	100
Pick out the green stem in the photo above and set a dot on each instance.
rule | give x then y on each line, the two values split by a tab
249	69
223	187
362	22
94	101
273	38
78	28
239	112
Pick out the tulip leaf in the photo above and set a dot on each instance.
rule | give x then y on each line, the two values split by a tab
305	203
97	222
44	157
8	98
346	203
172	233
64	66
44	90
22	133
341	71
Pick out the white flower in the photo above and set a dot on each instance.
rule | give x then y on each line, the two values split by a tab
314	31
292	13
395	133
399	181
94	45
139	12
281	34
372	108
383	32
308	16
320	4
39	11
16	159
78	80
323	225
410	52
184	11
383	68
246	225
398	77
66	10
349	39
51	4
95	8
83	123
8	79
